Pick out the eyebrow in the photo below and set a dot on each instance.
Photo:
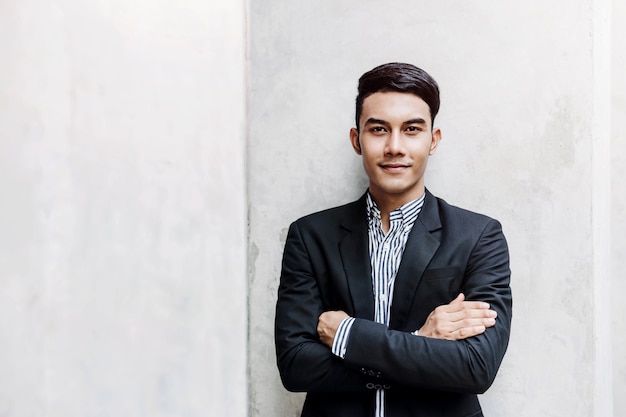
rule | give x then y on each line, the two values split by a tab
373	121
418	121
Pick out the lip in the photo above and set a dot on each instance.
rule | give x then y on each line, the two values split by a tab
393	168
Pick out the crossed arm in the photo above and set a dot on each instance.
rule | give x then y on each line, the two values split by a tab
459	347
457	320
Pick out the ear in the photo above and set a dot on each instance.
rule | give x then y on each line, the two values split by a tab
354	140
436	138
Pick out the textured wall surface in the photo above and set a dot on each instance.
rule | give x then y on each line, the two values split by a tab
517	113
123	210
122	216
618	219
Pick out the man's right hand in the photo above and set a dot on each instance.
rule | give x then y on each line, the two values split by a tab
458	320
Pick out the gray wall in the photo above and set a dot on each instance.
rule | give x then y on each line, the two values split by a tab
132	203
618	241
122	216
525	119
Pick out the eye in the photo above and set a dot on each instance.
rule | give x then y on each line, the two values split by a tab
413	129
378	129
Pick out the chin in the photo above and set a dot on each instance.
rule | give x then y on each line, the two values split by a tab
395	188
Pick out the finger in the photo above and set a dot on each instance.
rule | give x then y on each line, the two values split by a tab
467	332
476	304
489	322
486	322
470	313
472	327
466	305
459	299
479	312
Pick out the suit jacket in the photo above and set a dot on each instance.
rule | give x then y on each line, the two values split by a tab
326	266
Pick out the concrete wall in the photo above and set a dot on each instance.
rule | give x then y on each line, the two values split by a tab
524	112
122	216
618	165
123	159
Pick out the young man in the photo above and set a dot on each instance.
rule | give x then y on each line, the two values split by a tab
397	304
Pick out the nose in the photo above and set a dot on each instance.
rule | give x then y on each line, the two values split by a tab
394	145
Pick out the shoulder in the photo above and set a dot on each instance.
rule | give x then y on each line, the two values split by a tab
452	216
330	225
333	215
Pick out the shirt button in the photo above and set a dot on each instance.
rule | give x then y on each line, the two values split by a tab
386	246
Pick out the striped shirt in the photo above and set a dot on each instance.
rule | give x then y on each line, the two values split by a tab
385	251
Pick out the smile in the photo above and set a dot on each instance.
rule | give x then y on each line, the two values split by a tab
394	168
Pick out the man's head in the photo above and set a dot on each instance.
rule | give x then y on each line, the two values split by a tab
402	78
395	110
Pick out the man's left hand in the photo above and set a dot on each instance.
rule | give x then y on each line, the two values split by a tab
327	325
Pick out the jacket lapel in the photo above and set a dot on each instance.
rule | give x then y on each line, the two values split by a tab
420	248
354	250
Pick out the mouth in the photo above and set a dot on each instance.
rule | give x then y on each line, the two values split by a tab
394	167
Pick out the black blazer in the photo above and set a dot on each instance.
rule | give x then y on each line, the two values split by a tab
326	266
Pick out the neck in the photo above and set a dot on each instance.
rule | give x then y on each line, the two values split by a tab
389	202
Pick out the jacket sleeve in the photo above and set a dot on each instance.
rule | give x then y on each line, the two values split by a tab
467	366
304	363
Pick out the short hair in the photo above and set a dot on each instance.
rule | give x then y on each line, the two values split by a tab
400	77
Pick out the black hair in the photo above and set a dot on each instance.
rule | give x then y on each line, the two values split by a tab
403	78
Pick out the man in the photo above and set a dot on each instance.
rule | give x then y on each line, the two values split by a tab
397	304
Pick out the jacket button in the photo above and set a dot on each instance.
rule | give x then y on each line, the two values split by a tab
369	385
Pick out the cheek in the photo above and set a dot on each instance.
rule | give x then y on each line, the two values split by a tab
422	151
372	149
369	162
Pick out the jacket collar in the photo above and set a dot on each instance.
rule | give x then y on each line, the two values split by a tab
421	246
356	260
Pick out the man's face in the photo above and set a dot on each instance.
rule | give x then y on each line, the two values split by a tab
396	137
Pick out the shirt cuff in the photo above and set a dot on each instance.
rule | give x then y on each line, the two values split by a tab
340	343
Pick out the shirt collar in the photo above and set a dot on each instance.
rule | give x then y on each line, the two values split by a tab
406	214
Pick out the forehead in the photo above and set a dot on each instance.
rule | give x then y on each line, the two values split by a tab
394	106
